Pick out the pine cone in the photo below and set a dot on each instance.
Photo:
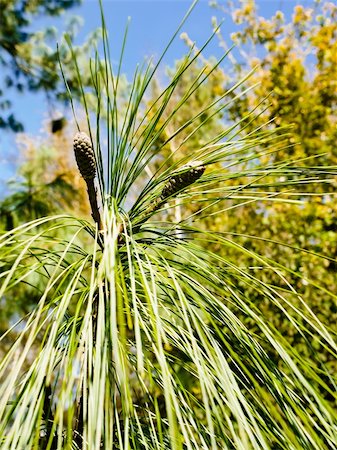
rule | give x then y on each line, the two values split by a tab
84	155
186	175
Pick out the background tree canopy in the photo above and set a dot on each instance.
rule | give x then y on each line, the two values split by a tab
27	61
296	75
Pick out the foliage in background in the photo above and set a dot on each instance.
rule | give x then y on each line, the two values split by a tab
296	74
47	181
28	61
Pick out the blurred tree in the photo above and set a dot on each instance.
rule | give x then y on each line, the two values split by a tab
47	181
296	63
27	61
296	69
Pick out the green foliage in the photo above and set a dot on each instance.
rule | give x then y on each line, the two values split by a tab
147	333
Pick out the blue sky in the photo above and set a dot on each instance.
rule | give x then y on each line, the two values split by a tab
152	24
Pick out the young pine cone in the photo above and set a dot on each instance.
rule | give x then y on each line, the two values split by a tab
186	175
84	155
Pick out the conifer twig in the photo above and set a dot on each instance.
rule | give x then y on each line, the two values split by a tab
180	179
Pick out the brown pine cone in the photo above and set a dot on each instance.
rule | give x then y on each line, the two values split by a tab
84	155
185	176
